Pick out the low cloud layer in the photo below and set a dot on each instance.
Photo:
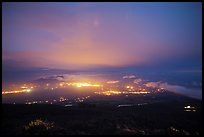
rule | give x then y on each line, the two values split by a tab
137	81
192	92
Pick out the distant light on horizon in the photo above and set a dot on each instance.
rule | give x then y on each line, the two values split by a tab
78	84
16	91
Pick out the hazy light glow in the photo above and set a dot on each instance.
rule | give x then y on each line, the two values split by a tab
84	35
16	91
112	82
115	92
84	85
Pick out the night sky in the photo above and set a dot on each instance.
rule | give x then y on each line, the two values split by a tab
93	35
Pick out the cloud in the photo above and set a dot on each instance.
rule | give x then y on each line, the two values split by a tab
112	82
192	92
82	77
152	84
137	81
128	76
60	78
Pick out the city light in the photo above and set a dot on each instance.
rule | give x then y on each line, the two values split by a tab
19	89
189	109
84	85
112	92
16	91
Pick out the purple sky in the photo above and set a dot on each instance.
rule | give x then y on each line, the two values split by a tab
87	35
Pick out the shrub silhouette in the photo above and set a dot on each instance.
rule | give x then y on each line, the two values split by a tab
39	127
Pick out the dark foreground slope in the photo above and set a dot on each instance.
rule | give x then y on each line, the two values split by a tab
157	118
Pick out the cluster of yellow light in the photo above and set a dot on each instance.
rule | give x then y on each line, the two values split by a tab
111	92
84	85
76	84
136	90
141	92
61	99
82	99
20	89
23	87
16	91
129	87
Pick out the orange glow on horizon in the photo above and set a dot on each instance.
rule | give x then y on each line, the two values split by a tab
16	91
77	84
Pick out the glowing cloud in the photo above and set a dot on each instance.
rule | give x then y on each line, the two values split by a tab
128	76
112	82
137	81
